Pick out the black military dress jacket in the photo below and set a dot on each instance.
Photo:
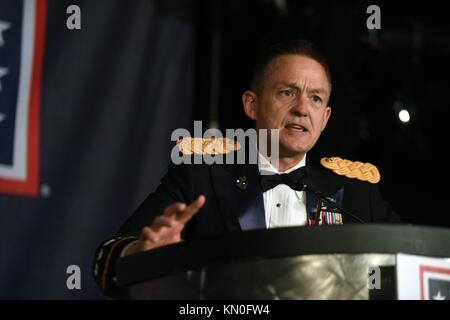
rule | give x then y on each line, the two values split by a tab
233	192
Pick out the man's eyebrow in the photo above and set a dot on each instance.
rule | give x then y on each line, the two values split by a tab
294	85
318	90
287	84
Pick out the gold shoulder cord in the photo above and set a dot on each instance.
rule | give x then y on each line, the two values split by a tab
352	169
211	146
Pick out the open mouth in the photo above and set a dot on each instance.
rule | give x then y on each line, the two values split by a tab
296	127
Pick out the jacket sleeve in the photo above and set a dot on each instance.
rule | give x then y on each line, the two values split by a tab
176	186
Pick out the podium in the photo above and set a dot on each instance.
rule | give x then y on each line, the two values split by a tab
326	262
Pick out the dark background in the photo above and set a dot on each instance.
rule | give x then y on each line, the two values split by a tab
376	73
113	92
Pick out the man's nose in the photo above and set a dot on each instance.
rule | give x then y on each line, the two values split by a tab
300	106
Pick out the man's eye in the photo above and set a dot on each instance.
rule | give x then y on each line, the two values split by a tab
317	99
286	93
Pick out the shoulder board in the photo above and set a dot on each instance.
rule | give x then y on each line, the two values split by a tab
211	146
352	169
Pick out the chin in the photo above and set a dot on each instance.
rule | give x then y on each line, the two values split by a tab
292	146
292	151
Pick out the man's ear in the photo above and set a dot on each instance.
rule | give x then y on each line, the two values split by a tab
249	101
326	116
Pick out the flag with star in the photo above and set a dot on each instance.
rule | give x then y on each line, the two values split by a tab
434	283
85	114
22	30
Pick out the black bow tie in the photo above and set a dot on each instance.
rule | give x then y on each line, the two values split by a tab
294	180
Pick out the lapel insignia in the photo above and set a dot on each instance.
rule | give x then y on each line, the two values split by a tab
241	182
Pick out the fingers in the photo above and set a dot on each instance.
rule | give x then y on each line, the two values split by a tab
173	209
177	215
162	227
182	212
192	209
148	234
164	221
151	239
166	228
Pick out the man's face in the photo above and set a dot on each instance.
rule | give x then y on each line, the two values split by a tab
293	98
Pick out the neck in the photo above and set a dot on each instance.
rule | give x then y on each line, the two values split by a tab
286	160
286	163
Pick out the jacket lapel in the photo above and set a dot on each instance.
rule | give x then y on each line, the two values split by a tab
329	186
239	195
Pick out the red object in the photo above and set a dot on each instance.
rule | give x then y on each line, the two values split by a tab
30	186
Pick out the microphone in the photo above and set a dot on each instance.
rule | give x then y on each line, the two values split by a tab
302	185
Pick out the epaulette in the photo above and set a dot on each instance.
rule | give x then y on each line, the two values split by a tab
352	169
211	146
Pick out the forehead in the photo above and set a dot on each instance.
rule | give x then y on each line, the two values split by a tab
296	69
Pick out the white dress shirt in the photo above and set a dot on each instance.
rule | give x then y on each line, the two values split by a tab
283	206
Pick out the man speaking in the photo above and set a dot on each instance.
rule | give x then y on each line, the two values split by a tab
290	92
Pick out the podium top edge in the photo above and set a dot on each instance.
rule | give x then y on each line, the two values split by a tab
285	242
